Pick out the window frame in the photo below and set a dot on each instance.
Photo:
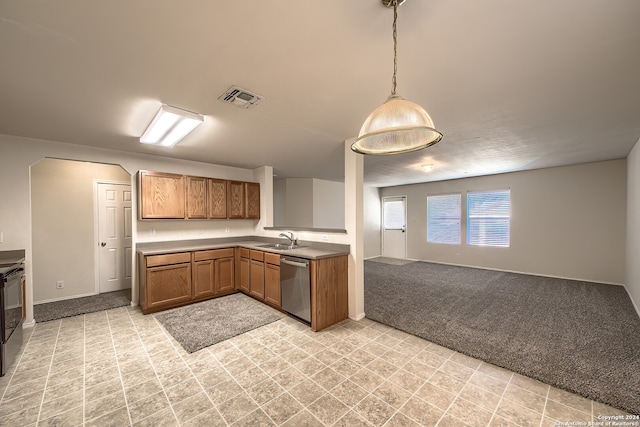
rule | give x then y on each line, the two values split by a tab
429	226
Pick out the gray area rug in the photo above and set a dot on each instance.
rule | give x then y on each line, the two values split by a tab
200	325
74	307
579	336
392	261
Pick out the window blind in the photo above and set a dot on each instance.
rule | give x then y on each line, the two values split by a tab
488	218
443	219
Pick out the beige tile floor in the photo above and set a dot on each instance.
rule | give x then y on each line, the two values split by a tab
120	368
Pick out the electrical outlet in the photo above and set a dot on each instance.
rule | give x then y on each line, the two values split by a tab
60	284
152	232
1	236
227	229
325	237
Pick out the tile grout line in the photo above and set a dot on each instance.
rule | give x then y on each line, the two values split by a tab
544	408
49	371
115	353
495	412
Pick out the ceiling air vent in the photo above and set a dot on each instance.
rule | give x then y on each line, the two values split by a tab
240	97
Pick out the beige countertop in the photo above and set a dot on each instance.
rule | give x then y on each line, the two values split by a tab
308	250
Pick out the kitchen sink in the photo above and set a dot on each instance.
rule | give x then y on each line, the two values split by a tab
281	246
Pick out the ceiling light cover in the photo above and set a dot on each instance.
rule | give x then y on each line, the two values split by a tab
397	126
170	125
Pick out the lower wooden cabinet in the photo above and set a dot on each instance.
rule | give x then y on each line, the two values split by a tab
243	270
172	280
166	282
272	279
329	291
225	275
256	276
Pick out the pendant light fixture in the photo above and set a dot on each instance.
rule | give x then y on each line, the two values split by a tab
398	125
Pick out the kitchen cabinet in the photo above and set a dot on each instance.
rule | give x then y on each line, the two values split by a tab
252	200
235	200
244	270
196	197
161	195
213	273
272	279
329	291
217	199
165	282
256	276
171	196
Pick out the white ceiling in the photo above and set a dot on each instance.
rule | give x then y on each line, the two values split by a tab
512	85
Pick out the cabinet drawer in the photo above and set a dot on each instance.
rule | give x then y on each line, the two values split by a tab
270	258
244	252
155	260
257	255
212	254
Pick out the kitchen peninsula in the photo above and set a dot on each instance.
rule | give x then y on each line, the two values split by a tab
177	273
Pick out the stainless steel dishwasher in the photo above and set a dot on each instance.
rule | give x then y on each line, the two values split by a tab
295	292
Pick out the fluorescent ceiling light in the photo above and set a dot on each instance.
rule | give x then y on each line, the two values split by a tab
170	125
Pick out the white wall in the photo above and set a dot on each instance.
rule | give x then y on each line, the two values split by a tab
633	226
372	222
62	217
565	222
328	204
308	202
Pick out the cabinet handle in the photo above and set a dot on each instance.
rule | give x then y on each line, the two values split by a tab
103	244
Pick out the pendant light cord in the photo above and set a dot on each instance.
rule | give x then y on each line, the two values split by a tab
395	47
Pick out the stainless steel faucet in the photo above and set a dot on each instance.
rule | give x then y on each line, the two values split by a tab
291	237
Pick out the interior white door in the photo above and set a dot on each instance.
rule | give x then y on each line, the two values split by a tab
394	227
114	237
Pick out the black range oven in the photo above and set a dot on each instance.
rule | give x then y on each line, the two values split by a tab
11	311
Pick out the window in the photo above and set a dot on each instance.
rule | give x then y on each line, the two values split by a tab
443	219
488	217
393	215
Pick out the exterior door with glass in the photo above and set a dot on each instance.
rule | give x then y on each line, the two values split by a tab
394	227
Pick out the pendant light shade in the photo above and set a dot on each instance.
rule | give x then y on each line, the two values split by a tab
397	126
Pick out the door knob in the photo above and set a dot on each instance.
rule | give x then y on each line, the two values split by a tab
103	244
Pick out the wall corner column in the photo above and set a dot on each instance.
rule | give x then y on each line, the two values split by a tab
354	224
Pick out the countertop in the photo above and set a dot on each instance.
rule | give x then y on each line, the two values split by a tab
308	250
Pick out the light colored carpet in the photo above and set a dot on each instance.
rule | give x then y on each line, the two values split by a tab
200	325
580	336
73	307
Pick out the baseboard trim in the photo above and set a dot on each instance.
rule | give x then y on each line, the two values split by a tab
65	298
520	272
357	316
26	325
632	301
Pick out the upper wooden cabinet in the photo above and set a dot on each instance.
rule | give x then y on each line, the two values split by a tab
217	201
197	197
161	195
252	200
235	199
171	196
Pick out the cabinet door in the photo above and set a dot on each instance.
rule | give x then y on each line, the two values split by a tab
203	279
256	279
224	275
235	199
252	200
272	284
196	197
167	286
217	199
245	270
161	195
